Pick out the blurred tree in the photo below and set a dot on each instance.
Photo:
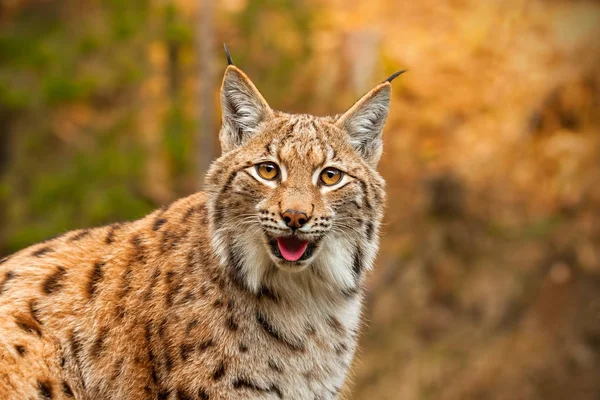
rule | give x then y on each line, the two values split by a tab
272	42
206	135
70	88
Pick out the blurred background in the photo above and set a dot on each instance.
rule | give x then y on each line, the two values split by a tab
488	281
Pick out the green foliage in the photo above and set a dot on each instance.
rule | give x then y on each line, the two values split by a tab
47	63
274	38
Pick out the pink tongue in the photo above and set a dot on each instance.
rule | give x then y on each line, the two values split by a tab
291	248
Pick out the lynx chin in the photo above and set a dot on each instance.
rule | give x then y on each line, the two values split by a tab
251	289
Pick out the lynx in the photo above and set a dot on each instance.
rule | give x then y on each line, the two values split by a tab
251	289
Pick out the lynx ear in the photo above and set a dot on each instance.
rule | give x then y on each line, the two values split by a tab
364	122
243	109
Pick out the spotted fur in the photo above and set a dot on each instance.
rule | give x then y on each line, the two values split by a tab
191	302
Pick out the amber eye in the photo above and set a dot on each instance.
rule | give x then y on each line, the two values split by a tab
331	176
267	170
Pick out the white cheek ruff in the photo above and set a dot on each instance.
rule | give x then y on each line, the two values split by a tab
335	261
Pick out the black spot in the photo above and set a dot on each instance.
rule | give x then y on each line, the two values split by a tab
243	348
242	383
169	359
231	324
267	327
28	324
140	253
191	325
98	345
275	367
219	214
119	311
126	281
152	285
8	276
182	395
79	235
45	389
168	241
205	344
158	223
67	389
151	357
110	236
365	190
185	349
95	278
357	264
219	372
172	290
189	213
163	394
162	326
203	395
35	313
349	293
54	282
340	349
218	303
75	344
370	231
236	268
335	324
275	389
41	252
20	349
153	372
267	293
188	297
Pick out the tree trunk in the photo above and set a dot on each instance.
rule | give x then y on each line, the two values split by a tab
206	135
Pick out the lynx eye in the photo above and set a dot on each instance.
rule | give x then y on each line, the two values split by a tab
267	170
331	176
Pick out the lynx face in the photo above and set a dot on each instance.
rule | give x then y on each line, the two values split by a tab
309	185
296	192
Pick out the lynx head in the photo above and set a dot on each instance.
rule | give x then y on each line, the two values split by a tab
296	198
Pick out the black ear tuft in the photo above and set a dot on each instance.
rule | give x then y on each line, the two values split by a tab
229	60
395	75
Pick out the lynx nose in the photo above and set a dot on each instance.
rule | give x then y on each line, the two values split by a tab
295	219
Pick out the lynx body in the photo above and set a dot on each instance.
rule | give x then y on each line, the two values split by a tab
251	289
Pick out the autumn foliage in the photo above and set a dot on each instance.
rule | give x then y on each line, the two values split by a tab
488	280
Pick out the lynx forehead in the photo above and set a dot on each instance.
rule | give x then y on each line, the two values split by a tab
249	290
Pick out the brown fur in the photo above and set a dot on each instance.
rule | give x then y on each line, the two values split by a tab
188	302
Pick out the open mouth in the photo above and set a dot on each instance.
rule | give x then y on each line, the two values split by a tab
291	248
